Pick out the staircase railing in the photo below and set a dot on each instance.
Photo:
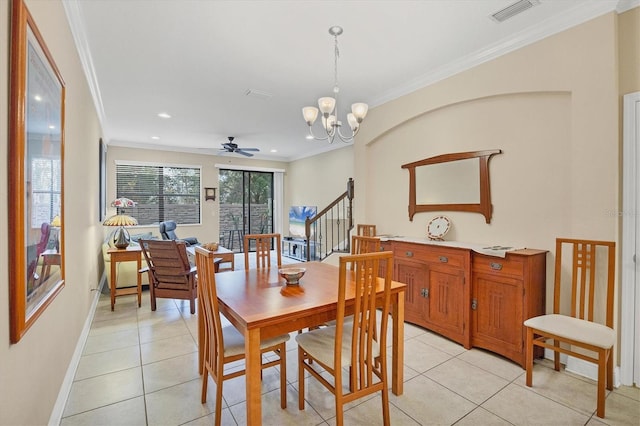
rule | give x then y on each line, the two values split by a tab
328	231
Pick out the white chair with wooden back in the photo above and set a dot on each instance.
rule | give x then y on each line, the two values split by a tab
352	345
223	345
581	326
263	245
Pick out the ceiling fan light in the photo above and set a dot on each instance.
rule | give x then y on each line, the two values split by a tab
359	110
310	114
326	105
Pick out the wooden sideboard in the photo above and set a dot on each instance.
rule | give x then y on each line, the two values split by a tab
475	299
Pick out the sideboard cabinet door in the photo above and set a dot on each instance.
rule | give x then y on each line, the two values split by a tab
506	292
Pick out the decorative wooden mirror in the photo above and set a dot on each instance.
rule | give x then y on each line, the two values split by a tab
452	182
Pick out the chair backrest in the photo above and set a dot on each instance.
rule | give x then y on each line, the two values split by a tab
263	249
586	260
45	232
357	278
362	244
168	263
168	230
213	337
366	230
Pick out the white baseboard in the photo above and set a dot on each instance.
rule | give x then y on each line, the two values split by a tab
583	368
65	388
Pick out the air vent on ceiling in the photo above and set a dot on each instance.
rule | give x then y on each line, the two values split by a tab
513	9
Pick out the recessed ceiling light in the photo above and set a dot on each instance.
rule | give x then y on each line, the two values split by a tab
37	98
164	115
274	150
51	126
155	138
308	137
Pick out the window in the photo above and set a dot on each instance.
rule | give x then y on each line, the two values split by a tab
161	192
45	187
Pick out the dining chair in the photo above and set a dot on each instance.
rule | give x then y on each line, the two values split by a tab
263	246
223	345
358	345
366	230
170	273
584	333
361	244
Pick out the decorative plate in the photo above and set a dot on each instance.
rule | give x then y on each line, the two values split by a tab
438	227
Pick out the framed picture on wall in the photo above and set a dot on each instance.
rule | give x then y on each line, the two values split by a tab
36	174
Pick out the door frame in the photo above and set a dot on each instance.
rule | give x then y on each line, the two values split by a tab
630	293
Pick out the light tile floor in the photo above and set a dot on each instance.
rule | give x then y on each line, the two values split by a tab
140	368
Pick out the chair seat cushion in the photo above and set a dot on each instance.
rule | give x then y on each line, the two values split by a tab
234	341
575	329
319	343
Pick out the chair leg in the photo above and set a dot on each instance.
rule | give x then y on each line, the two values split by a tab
218	416
610	369
602	373
300	379
529	357
192	305
556	356
205	380
282	351
386	419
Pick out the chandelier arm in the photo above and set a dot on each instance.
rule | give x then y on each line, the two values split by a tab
327	138
344	138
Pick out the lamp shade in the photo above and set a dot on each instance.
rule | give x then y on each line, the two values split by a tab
123	202
120	220
56	221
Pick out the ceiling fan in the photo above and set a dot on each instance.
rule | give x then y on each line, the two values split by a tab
233	147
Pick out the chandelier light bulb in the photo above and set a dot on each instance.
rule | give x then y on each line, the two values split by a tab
359	110
326	105
353	122
310	114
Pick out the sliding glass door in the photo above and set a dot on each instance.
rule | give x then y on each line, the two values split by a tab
246	205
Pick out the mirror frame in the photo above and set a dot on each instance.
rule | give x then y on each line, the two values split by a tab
484	207
38	62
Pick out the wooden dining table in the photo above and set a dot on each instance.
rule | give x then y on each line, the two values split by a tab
260	305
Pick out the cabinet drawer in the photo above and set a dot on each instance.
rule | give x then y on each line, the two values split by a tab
508	266
386	246
430	254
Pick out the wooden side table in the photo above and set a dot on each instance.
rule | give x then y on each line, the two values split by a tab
127	255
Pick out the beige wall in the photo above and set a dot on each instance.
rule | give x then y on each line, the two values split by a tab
318	180
208	231
32	371
552	107
629	50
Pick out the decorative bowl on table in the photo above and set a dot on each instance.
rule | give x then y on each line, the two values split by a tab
292	275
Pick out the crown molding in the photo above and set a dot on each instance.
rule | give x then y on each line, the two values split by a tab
74	16
571	18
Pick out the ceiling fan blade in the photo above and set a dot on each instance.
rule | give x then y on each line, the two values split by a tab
246	154
250	149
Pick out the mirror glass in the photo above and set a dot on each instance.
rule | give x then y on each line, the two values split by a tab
447	183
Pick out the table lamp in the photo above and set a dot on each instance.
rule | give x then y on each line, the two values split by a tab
121	236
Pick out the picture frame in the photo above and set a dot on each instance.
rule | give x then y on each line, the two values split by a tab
210	194
36	174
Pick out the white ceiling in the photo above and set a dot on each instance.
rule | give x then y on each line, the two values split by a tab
196	59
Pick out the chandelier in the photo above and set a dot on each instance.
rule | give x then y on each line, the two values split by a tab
329	107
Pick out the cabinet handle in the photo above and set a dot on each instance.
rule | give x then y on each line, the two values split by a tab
408	254
444	259
496	266
474	304
424	292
